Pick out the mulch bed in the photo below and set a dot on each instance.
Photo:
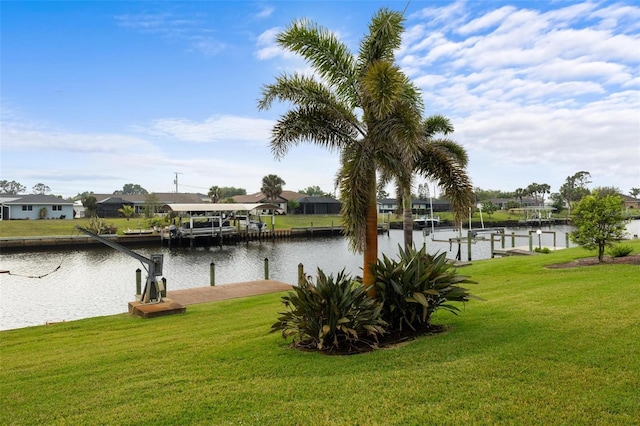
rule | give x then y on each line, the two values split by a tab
633	259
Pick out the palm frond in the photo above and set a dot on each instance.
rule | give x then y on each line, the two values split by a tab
454	149
353	180
316	125
440	166
385	36
437	124
330	58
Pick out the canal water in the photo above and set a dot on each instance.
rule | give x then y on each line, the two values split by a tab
65	285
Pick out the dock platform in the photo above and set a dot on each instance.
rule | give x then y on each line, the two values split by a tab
192	296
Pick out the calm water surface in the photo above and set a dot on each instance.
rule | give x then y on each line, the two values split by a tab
101	281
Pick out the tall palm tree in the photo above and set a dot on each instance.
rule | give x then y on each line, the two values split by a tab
441	160
214	194
362	106
272	187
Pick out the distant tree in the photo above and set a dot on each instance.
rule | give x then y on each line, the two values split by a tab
381	194
150	205
312	191
634	192
11	187
511	205
423	191
90	203
292	206
575	188
40	189
214	194
537	191
603	191
489	208
127	211
230	191
558	201
272	186
82	195
487	194
519	194
599	220
131	189
228	200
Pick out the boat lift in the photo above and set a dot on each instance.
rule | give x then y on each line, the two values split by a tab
153	288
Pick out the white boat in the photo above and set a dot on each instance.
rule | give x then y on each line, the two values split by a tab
425	221
246	223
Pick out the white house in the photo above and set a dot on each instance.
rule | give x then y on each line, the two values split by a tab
35	207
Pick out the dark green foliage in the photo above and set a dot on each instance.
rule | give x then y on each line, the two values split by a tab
334	314
621	250
600	222
412	288
544	250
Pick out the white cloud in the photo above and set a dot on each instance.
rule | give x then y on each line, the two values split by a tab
265	12
523	87
266	45
214	129
191	30
489	20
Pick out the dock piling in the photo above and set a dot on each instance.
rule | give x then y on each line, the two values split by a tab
300	274
212	274
138	282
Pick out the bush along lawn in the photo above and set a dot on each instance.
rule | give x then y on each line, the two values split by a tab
546	346
337	315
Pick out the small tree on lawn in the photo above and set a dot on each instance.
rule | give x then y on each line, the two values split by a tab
599	222
127	211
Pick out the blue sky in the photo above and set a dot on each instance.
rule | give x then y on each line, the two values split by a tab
95	95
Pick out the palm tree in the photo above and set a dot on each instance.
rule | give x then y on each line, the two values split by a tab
214	194
272	187
127	211
441	160
520	193
364	107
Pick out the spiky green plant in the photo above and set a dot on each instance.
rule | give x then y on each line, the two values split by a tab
416	285
335	313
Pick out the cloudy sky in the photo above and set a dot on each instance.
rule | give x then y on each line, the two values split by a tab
95	95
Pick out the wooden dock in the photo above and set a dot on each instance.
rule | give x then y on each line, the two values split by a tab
192	296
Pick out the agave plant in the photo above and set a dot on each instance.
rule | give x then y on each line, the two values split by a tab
412	288
335	313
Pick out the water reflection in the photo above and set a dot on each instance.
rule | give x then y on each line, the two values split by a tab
101	281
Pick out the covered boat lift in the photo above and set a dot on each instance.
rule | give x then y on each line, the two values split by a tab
216	214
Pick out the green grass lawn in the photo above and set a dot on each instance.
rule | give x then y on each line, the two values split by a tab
546	347
40	228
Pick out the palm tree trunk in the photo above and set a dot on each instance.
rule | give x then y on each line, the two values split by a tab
371	239
407	222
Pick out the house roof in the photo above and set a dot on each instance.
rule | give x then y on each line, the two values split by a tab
162	197
36	199
317	200
217	207
628	198
115	200
259	197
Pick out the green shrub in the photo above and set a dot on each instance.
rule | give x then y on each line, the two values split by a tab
620	250
334	314
412	288
158	221
544	250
